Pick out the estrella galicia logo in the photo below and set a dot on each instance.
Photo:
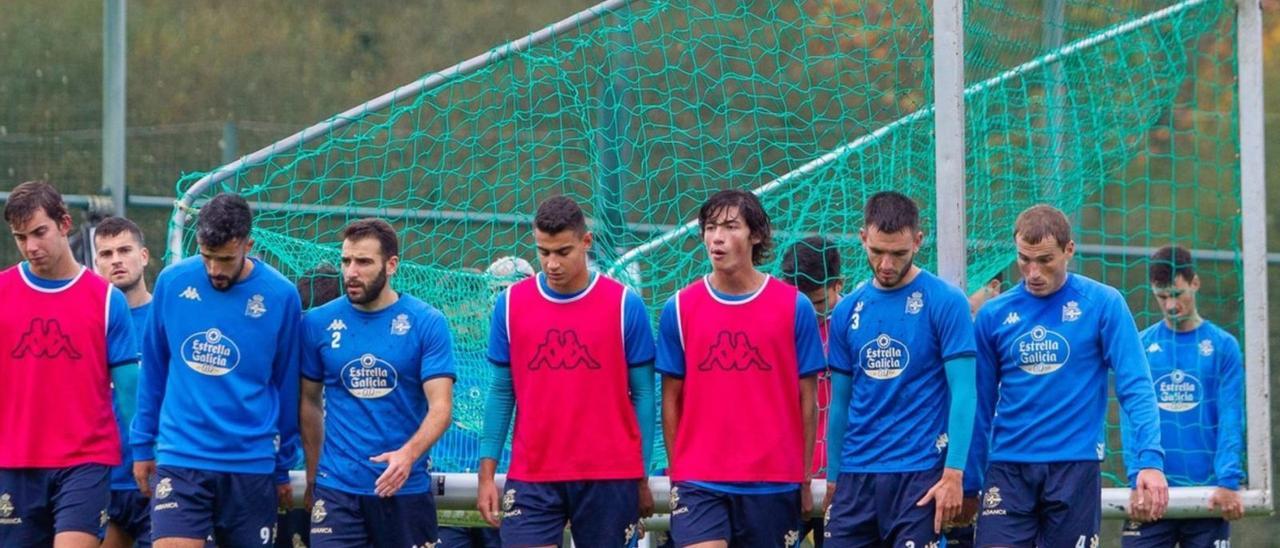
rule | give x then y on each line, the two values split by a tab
562	350
733	352
1178	391
884	357
211	353
1041	351
368	377
44	339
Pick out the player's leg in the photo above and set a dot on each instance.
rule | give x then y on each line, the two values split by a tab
245	513
79	496
813	526
26	511
605	512
128	521
455	537
1204	533
533	514
960	537
1071	504
1007	508
1155	534
909	525
402	520
852	518
181	507
766	520
700	517
337	520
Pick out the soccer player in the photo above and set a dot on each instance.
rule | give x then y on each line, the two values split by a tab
1045	348
573	349
739	352
217	422
1199	385
65	336
121	257
813	266
383	361
902	363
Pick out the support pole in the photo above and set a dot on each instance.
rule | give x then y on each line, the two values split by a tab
113	103
949	146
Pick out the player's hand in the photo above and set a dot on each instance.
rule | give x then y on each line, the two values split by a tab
1228	502
284	493
968	513
143	471
1151	496
830	496
806	500
309	497
947	495
646	498
487	501
399	463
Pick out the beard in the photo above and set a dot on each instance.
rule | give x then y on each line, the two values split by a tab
369	292
130	285
226	281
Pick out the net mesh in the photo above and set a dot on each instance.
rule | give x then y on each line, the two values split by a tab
1119	113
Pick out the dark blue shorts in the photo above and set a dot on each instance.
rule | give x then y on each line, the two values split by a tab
1045	504
699	514
232	509
293	528
959	537
341	519
880	509
469	537
37	503
1187	533
130	511
604	513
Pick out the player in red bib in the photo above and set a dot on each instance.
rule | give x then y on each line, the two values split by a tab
65	335
573	352
739	352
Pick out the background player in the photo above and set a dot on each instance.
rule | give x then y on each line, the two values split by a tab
1045	348
383	363
218	395
1199	383
738	471
121	256
65	337
573	349
902	363
813	266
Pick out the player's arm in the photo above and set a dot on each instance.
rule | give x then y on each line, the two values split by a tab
670	362
841	362
152	377
1226	458
1123	353
986	381
311	425
954	328
498	409
123	355
810	361
286	380
640	353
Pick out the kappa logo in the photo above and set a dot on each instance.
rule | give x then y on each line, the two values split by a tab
318	513
942	442
562	350
400	325
44	339
336	325
164	488
509	500
1102	450
1206	348
102	518
733	352
1012	318
255	307
190	293
1071	311
6	506
676	509
915	303
1153	348
792	538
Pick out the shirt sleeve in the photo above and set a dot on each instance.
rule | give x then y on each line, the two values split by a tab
670	358
152	377
987	381
810	359
637	330
286	379
312	366
499	343
1123	354
437	350
122	344
838	354
1226	460
954	326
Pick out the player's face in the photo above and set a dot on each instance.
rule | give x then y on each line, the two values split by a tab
728	240
824	299
1044	265
224	264
1178	301
563	258
121	260
364	271
42	241
890	255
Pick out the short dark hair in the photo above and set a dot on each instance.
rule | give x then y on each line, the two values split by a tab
750	210
225	218
1041	221
31	196
811	264
374	227
1168	262
891	212
319	285
560	213
115	226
